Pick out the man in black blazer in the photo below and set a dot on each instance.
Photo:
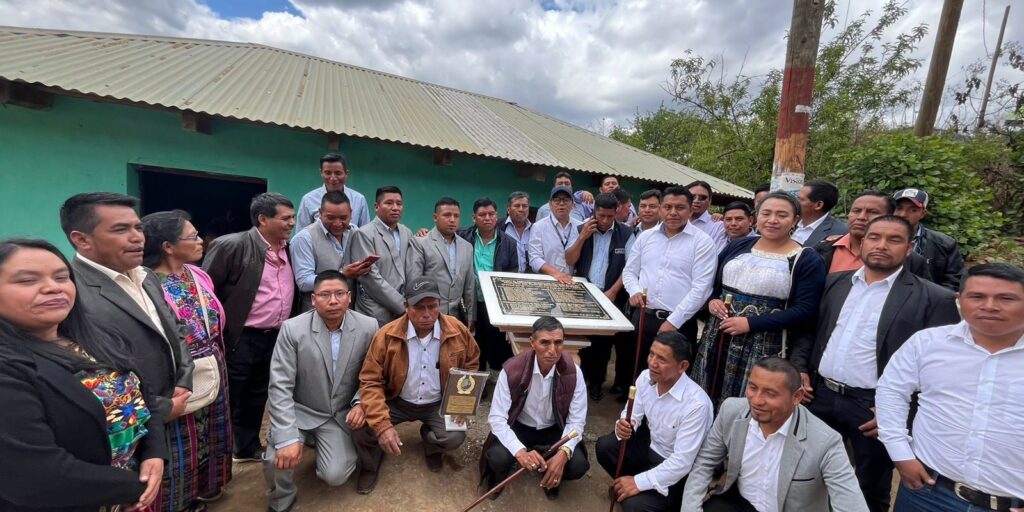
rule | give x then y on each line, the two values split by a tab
940	251
126	297
865	315
817	199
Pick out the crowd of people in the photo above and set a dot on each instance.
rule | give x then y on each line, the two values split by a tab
778	343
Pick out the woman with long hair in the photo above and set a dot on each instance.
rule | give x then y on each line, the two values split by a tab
75	429
201	440
775	286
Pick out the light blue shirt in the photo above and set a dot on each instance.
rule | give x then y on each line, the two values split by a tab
521	242
549	242
309	207
335	348
599	262
304	258
578	212
451	256
716	230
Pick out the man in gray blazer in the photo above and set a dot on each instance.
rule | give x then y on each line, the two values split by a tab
790	461
326	347
446	259
124	297
380	292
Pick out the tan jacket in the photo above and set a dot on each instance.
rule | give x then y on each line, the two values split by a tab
387	364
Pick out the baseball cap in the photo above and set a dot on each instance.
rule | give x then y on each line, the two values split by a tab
419	289
561	189
917	196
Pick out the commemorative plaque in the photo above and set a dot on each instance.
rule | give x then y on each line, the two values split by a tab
462	392
518	296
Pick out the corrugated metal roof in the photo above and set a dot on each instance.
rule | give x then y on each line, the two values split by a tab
267	85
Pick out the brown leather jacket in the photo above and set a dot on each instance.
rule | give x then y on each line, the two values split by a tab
387	364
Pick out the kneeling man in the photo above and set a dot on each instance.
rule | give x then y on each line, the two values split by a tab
540	398
326	347
402	378
671	416
781	457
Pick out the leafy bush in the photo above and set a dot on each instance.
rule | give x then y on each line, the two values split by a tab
960	204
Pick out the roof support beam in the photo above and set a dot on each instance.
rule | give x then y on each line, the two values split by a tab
24	95
194	122
442	157
333	141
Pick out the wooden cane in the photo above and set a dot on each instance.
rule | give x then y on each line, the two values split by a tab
622	443
639	336
548	455
718	353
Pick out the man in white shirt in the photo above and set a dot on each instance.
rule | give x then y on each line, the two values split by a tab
671	417
675	264
334	172
966	453
540	398
518	226
781	458
552	236
817	198
579	210
699	216
864	317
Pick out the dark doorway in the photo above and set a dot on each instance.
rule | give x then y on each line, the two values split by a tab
218	203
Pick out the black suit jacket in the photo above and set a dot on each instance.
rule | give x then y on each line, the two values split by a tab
942	253
53	441
828	227
913	304
506	253
162	362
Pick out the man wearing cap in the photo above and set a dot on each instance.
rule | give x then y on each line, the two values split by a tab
579	210
942	252
554	235
403	374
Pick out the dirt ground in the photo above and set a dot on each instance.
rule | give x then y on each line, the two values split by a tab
406	484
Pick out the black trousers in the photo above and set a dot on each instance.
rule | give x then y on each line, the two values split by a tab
500	461
248	377
625	357
871	461
729	501
594	360
639	458
494	348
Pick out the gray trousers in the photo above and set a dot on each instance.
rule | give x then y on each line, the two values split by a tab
335	462
436	439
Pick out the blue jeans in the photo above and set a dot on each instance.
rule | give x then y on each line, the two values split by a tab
931	498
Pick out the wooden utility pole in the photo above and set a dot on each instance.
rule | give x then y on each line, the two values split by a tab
937	69
992	68
797	92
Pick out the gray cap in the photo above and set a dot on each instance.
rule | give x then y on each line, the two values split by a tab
420	289
561	189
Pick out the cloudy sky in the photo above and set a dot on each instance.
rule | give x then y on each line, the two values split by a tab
589	62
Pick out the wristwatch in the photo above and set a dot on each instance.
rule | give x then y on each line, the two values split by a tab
567	450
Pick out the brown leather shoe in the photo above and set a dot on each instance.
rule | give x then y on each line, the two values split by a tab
435	462
366	482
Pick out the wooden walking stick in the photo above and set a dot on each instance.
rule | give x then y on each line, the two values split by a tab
639	336
548	455
622	443
718	353
632	387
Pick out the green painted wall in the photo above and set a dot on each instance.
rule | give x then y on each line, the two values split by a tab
80	145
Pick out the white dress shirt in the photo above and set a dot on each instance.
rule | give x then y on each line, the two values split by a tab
971	404
131	283
423	383
850	355
715	230
549	241
804	231
677	272
538	411
759	471
522	242
679	421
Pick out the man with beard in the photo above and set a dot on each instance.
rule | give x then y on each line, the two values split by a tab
447	260
380	290
864	317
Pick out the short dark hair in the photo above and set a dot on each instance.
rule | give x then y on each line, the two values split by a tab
739	205
1001	271
606	176
329	275
647	194
678	191
776	364
78	213
682	349
518	194
606	200
333	157
161	227
335	197
764	187
386	189
701	183
547	324
445	201
484	202
782	196
266	204
824	191
894	219
890	203
622	196
562	174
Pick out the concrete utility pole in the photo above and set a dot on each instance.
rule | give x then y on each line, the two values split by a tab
797	92
936	81
992	68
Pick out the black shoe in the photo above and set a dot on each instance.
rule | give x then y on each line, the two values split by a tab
366	481
616	389
435	462
241	458
596	394
492	480
551	493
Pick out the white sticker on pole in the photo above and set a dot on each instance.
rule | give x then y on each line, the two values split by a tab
788	182
802	109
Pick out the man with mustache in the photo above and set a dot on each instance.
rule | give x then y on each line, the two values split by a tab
864	317
540	398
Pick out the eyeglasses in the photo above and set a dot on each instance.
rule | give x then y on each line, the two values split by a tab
701	197
561	200
340	294
191	238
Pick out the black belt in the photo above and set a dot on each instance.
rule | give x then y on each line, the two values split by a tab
660	314
843	389
974	496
